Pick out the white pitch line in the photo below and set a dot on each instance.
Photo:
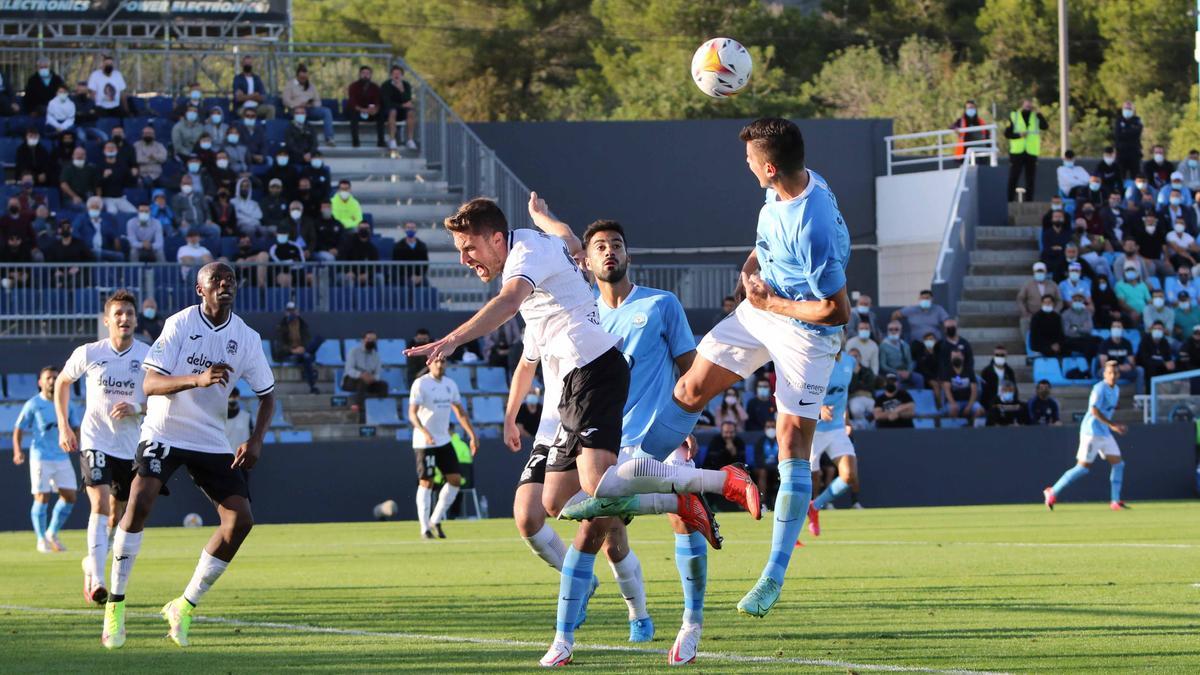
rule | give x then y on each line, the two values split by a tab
496	642
820	542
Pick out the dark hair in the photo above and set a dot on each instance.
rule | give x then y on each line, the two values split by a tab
478	216
1045	382
119	296
422	331
1107	148
301	68
1069	154
365	67
926	292
602	226
1048	297
779	140
47	368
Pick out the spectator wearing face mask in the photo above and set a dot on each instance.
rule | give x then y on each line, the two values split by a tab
1158	168
1133	294
1024	134
895	357
1152	242
294	343
863	384
1055	238
150	323
253	134
725	448
206	153
223	215
191	210
42	224
60	112
993	374
960	391
1074	283
216	127
925	361
310	200
41	88
1182	282
289	256
149	155
108	89
192	255
1158	312
894	408
1190	170
731	410
863	311
1118	348
1043	408
328	233
1182	251
1007	410
413	251
969	139
115	176
222	174
298	227
1175	185
1189	356
249	93
282	171
1131	257
186	133
249	213
952	342
867	347
1141	187
1187	316
79	180
252	267
318	175
1177	208
346	208
161	211
15	250
1108	171
192	96
1045	330
1112	216
364	105
762	459
274	205
530	413
236	151
300	95
68	249
299	140
1072	178
34	158
1077	327
363	369
1127	138
99	231
145	236
196	170
1155	355
761	408
358	247
923	317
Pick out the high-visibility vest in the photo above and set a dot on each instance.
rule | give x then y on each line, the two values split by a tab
960	148
1031	144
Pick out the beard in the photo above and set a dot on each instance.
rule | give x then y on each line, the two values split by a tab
614	275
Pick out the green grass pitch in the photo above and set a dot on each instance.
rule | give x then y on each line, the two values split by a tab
1006	588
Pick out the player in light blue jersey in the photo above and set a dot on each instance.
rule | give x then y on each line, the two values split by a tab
832	439
794	285
1096	439
50	469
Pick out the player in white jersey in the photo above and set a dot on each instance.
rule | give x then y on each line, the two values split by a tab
109	434
832	439
432	398
200	355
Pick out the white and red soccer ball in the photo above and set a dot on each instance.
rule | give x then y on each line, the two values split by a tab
721	67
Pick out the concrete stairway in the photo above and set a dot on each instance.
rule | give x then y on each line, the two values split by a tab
987	311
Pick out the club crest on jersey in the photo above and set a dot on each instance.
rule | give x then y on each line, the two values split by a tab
639	320
231	347
135	366
159	347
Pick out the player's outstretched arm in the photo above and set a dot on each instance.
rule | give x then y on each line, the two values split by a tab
540	213
67	440
522	380
831	311
491	316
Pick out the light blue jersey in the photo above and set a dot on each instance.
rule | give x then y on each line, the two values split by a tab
38	417
837	393
654	332
803	246
1104	398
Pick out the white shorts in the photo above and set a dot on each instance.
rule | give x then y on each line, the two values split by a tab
51	476
746	339
832	444
1091	446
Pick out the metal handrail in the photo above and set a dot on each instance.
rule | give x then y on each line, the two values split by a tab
945	139
952	218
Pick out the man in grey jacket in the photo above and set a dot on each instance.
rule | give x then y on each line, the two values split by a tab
895	357
362	372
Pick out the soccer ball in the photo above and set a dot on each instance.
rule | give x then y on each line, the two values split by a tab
721	67
386	510
193	520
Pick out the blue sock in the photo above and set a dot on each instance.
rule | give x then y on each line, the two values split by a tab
691	558
573	588
62	509
671	426
835	490
1116	477
38	515
791	506
1070	476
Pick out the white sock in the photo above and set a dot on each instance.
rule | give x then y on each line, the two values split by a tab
424	497
653	504
445	498
646	475
97	540
125	550
208	570
628	574
547	545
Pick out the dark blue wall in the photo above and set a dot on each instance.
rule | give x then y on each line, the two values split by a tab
330	482
685	182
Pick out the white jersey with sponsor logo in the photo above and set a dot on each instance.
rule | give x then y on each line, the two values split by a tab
548	424
560	315
434	400
189	344
111	377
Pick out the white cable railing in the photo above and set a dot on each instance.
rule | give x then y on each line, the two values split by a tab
940	149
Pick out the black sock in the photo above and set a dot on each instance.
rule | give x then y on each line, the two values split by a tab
853	497
116	598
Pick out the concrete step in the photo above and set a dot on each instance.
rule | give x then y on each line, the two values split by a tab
1009	281
989	307
386	214
1001	268
1011	232
1006	245
305	403
386	189
1027	213
991	335
347	431
987	320
990	295
1022	256
317	418
375	165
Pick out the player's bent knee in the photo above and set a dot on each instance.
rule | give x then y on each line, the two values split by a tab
454	479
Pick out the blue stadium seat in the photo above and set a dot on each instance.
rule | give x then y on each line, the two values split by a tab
391	352
221	102
492	432
369	219
1051	370
277	419
52	196
330	353
171	246
924	424
487	410
382	411
137	196
385	245
134	125
271	437
107	124
397	380
1154	284
229	247
8	416
275	131
21	386
461	377
953	423
8	151
295	436
925	406
492	380
404	434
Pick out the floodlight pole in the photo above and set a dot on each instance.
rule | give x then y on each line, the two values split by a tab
1064	87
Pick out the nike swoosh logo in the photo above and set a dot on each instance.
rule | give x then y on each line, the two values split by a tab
789	520
691	579
804	403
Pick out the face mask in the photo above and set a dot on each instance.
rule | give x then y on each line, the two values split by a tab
1156	334
1103	285
894	337
410	233
531	399
924	303
222	164
344	194
929	345
1140	185
249	121
763	392
1006	397
1094	187
1039	276
1176	201
326	214
956	362
1150	228
1068	163
193	167
1076	306
185	189
364	234
369	345
864	334
247	69
1074	276
216	119
143	216
1131	275
1184	306
93	213
1109	159
1000	360
951	332
1047	308
190	116
44	73
149	312
195	95
971	112
110	155
206	145
296	214
78	163
1117	333
730	400
1159	302
282	161
300	119
890	387
233	139
108	70
147	139
1126	113
1193	163
1056	207
1180	227
1158	157
14	209
1176	185
318	163
281	238
64	233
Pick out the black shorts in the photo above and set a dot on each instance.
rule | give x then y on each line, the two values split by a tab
592	403
100	468
211	472
535	466
442	457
